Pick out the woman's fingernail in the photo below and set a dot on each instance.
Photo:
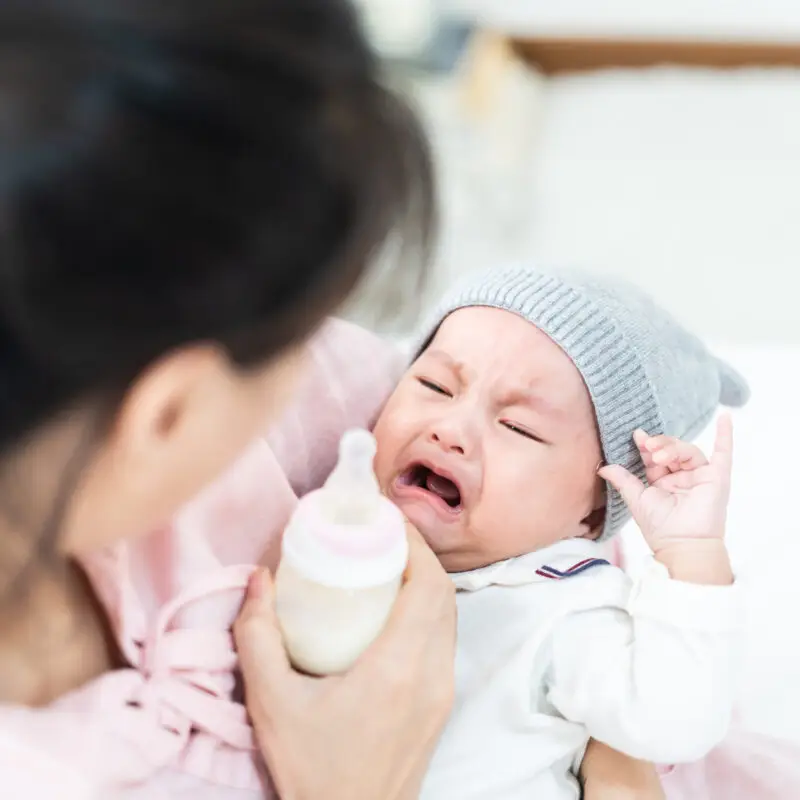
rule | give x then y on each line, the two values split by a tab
660	457
255	586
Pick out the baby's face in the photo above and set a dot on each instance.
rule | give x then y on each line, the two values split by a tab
489	444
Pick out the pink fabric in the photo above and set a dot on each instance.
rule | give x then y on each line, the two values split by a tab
746	766
169	725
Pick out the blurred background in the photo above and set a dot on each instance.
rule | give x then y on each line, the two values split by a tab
659	142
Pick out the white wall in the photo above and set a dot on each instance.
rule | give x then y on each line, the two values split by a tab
777	20
686	181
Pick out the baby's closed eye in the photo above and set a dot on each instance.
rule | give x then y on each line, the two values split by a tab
521	430
434	387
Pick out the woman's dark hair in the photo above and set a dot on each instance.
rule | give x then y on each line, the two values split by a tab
174	171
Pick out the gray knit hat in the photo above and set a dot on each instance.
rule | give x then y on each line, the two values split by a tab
642	368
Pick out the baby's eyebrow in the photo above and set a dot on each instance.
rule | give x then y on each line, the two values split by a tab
518	395
454	364
535	400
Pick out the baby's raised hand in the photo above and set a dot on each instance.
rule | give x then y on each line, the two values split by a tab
687	498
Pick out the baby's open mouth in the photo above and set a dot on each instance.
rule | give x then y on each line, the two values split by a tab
425	478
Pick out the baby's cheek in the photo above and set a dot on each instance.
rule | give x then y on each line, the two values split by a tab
511	513
386	458
393	431
529	510
382	472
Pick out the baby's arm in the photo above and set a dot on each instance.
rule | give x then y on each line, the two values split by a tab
350	376
655	681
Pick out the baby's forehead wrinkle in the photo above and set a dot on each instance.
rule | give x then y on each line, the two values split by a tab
508	389
450	361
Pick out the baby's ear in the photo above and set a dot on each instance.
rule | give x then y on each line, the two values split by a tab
593	524
595	521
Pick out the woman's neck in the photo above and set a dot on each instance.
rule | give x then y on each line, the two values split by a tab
54	637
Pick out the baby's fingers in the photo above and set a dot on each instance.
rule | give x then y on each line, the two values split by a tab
654	471
674	454
722	458
628	485
684	480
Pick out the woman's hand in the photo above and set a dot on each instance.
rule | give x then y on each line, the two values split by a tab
368	733
609	775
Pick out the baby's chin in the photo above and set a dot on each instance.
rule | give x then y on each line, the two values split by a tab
440	536
449	539
463	560
448	542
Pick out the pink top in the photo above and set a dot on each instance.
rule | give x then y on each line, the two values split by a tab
169	727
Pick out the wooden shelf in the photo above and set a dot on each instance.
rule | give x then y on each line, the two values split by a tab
553	56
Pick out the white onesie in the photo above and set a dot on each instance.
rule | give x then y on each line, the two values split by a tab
557	647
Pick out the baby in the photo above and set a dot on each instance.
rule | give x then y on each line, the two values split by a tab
537	404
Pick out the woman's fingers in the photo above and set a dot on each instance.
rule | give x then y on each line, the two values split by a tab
609	775
371	731
258	636
424	614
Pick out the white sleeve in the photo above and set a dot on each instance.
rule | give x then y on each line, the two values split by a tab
655	680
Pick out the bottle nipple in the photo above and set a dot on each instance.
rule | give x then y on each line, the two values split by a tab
352	491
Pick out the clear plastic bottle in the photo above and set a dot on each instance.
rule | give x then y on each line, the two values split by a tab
343	557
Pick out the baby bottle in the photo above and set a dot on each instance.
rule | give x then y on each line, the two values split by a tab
343	557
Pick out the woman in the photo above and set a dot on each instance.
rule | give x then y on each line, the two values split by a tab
186	190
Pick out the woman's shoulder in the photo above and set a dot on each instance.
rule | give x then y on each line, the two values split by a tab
350	375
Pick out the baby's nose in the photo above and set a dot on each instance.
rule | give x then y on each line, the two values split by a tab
448	442
456	433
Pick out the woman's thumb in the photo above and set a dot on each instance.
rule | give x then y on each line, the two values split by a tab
256	631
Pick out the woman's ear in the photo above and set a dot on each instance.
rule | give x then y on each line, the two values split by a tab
178	415
162	400
178	426
182	424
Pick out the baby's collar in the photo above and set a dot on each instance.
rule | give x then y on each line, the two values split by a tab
560	561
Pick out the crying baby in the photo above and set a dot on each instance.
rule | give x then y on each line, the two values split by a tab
539	404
